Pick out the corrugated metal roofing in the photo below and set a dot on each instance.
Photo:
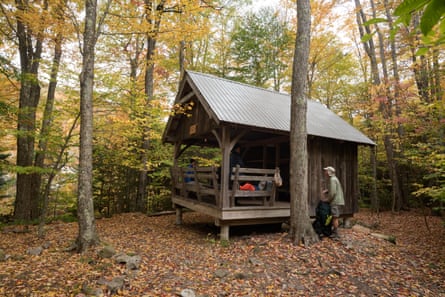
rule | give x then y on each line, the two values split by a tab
238	103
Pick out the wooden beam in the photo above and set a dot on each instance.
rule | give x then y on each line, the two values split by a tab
178	215
179	151
224	232
277	154
176	153
255	213
201	207
269	141
237	138
186	98
218	137
225	171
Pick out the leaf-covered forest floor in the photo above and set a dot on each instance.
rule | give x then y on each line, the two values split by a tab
257	261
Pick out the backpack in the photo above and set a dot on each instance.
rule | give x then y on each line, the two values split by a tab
323	219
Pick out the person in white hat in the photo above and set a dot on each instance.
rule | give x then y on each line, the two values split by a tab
334	194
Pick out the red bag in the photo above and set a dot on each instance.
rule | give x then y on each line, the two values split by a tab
247	187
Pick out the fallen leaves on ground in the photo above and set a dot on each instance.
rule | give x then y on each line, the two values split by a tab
255	262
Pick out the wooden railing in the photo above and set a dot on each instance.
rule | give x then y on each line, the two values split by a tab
203	182
263	181
204	185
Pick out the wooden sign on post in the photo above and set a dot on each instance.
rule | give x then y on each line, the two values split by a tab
192	129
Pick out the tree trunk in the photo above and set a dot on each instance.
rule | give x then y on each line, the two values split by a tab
420	69
46	127
368	46
55	169
386	110
374	198
134	56
385	105
141	202
300	228
437	75
181	59
85	210
26	205
141	197
401	189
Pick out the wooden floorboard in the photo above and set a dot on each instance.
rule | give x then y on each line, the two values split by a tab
249	213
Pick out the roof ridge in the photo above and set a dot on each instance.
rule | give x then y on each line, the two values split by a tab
234	82
309	100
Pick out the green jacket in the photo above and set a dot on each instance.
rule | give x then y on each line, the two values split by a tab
335	193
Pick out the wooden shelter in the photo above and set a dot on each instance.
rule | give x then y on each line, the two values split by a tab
216	112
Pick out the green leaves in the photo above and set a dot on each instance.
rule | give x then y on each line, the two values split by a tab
407	7
375	21
433	13
259	45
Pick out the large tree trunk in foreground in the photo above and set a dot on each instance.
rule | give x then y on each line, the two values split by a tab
26	205
85	210
301	228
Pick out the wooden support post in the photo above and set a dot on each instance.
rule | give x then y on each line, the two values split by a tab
178	215
235	185
225	170
347	222
224	232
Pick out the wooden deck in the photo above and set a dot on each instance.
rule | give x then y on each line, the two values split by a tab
233	216
231	207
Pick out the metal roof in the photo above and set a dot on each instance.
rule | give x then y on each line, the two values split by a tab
237	103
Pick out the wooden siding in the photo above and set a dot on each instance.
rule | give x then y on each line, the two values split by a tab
322	152
343	157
